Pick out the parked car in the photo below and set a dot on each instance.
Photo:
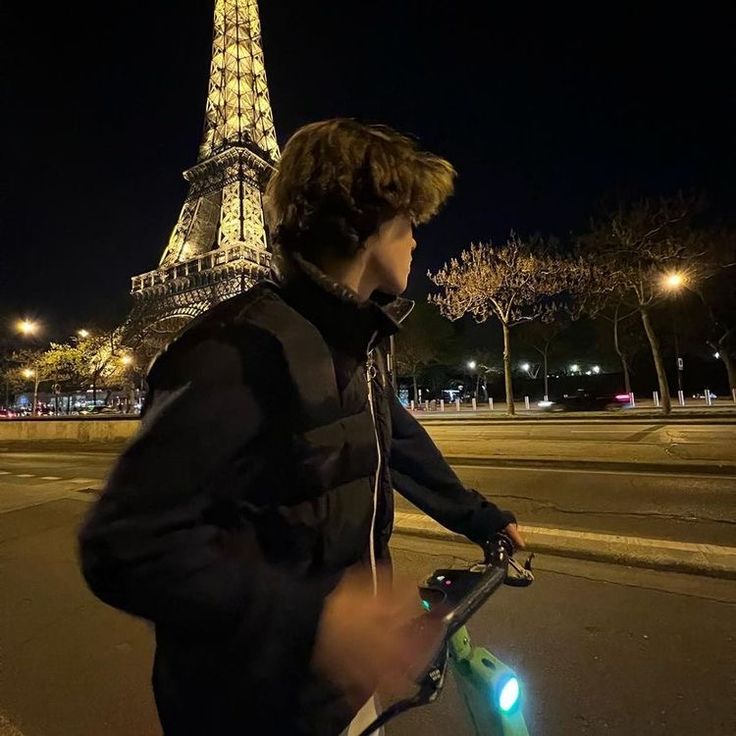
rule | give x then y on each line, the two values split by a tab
7	414
583	400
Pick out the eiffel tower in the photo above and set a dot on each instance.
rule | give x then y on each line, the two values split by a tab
219	245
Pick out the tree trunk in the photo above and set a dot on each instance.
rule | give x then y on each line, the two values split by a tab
416	392
664	389
546	372
477	387
728	361
621	354
510	408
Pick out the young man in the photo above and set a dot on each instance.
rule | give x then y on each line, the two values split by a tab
260	484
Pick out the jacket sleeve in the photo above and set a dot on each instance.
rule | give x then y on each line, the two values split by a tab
163	543
422	475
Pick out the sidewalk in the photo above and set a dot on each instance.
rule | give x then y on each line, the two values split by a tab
657	554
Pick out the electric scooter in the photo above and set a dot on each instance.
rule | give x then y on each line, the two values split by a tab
490	689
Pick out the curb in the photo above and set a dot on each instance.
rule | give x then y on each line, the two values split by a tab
656	554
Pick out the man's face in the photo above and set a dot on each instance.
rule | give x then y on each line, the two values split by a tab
389	254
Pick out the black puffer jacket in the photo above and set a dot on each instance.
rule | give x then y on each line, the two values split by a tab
263	468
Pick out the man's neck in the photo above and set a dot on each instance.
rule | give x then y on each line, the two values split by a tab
350	272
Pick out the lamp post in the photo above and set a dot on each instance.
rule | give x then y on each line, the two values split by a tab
33	373
673	283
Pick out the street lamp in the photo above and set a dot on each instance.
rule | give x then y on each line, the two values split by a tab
27	327
596	369
575	368
472	365
32	373
126	360
83	333
525	367
673	281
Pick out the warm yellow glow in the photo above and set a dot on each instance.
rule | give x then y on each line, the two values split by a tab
126	360
83	333
674	280
27	327
29	373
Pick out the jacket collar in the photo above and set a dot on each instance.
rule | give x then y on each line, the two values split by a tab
333	308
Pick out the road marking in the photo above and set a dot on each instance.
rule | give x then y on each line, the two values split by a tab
25	475
5	472
50	477
420	521
84	480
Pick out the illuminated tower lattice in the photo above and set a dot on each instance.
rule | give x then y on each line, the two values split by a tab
218	246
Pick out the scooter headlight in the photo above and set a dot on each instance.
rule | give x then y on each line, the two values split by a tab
508	694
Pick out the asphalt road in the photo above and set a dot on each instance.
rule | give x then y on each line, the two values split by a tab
600	649
707	445
671	501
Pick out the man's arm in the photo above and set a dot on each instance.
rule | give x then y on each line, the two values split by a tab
422	475
160	542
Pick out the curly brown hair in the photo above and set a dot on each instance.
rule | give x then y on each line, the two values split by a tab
339	180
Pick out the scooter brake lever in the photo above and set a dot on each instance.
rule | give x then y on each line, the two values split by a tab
522	575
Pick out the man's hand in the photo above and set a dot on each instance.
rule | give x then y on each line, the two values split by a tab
367	642
512	531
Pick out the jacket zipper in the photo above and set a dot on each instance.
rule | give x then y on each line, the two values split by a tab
370	374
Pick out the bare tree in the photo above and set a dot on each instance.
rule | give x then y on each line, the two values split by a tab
718	294
638	252
540	336
425	338
515	283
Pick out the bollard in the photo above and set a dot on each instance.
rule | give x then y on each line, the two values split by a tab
708	400
457	404
490	401
442	404
526	402
475	405
681	397
411	405
655	396
632	400
733	393
426	406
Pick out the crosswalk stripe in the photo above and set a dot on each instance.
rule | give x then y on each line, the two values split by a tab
84	480
5	472
25	475
50	477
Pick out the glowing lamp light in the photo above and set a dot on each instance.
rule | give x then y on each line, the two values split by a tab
596	369
27	327
575	368
472	364
674	280
126	360
525	367
83	333
508	695
28	373
716	355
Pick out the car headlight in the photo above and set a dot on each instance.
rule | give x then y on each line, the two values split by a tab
544	404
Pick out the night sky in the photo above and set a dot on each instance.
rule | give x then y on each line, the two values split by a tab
541	113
